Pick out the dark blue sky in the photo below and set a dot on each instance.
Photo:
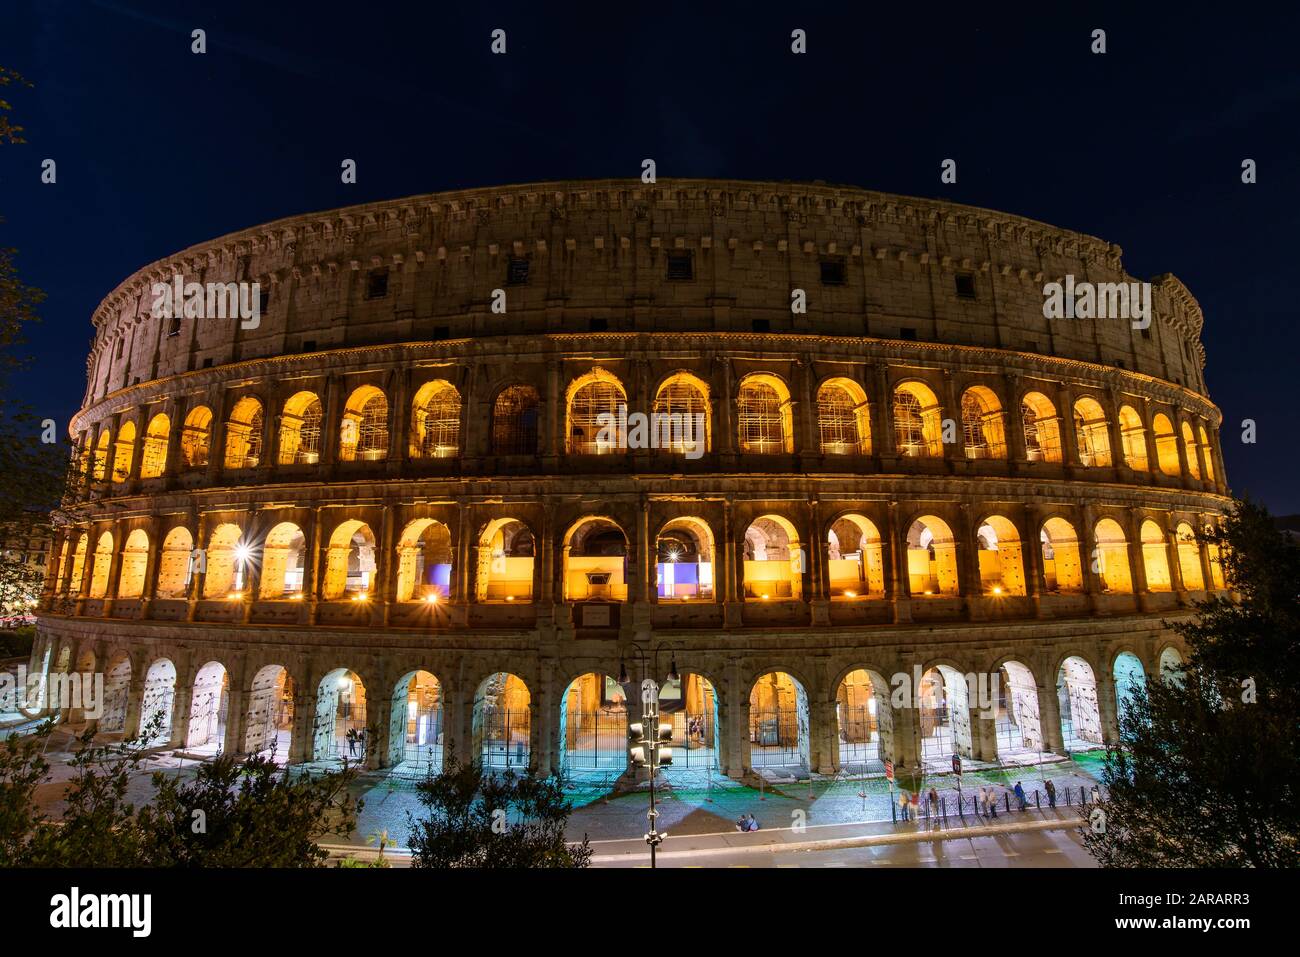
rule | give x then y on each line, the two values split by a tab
158	148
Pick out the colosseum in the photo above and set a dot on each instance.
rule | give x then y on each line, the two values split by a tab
389	518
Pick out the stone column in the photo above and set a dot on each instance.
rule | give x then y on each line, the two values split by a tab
151	567
898	585
1014	427
1175	567
731	573
1137	560
818	568
182	695
1106	707
1069	438
1049	716
311	567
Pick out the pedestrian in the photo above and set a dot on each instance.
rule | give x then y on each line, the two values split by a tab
916	805
1051	792
984	802
753	823
902	803
1020	795
742	823
1096	795
352	742
934	800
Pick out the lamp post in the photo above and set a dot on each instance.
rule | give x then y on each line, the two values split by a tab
649	735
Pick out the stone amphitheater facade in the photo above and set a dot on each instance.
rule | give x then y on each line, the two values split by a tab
389	476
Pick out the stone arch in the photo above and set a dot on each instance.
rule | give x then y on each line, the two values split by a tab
196	437
1001	559
271	705
301	428
1111	557
1209	453
1042	427
596	555
1092	433
1062	556
135	556
684	560
502	722
350	564
117	689
843	418
864	720
435	421
1189	449
363	431
1171	665
1018	722
507	553
103	562
158	702
918	420
983	428
153	458
124	451
1129	677
682	397
774	560
692	705
515	417
244	434
425	558
1076	691
416	728
226	560
339	730
73	578
1155	557
764	414
174	563
590	409
779	721
593	725
99	467
931	557
1189	558
1166	444
944	711
284	558
1133	436
855	558
209	708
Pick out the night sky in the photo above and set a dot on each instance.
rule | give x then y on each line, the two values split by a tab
158	148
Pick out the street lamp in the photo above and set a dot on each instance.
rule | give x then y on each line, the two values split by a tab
648	740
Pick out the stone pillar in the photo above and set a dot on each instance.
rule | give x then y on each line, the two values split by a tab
151	567
956	452
818	566
823	737
311	567
134	698
725	438
1049	716
182	695
898	584
1176	583
1137	560
885	442
1106	707
379	712
1014	427
240	700
1069	438
730	575
114	568
303	736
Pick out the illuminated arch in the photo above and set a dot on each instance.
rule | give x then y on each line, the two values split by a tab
1076	692
130	578
591	405
502	722
424	561
778	721
918	421
931	557
982	424
435	421
124	452
103	561
1133	435
1091	433
595	560
284	559
1189	558
1209	454
363	432
515	415
227	559
682	402
195	437
855	558
99	470
209	707
270	713
1062	565
1166	444
244	434
350	564
339	731
843	418
158	702
1155	557
1042	427
300	429
506	556
1001	559
774	560
1112	558
865	720
764	414
416	729
1017	721
945	715
153	459
1189	449
174	563
684	560
72	582
593	724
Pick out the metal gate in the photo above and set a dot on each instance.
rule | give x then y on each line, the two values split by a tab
774	738
505	738
596	740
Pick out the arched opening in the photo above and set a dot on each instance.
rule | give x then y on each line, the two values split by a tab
117	690
506	553
591	414
764	415
350	562
1214	553
681	421
684	560
363	433
1076	694
76	570
158	703
595	562
227	563
945	716
774	560
283	561
1042	428
270	714
931	557
1062	565
1001	560
1209	454
435	421
415	730
1091	433
1189	449
1133	435
424	562
1189	558
690	704
1166	444
503	722
300	430
855	558
593	724
865	721
843	418
103	561
918	421
130	580
154	457
514	421
1018	725
209	708
1129	677
195	437
244	435
1112	558
1171	666
339	731
99	469
124	452
778	722
982	428
1155	557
